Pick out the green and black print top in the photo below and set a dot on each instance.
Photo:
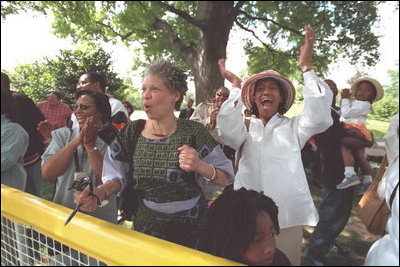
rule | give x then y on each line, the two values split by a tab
156	170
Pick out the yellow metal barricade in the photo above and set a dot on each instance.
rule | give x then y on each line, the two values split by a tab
106	242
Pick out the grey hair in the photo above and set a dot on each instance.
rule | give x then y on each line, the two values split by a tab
175	78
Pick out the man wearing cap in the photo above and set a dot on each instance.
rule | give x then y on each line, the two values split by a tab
272	143
353	114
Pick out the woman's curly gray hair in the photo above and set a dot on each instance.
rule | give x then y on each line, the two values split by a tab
175	78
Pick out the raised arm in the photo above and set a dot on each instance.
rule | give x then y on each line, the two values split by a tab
305	58
316	115
226	74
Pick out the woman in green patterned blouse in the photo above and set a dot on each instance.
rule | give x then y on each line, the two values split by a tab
173	157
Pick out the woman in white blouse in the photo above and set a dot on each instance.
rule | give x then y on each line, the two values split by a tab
270	143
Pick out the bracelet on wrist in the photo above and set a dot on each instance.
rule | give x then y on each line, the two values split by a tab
93	149
307	68
214	176
104	200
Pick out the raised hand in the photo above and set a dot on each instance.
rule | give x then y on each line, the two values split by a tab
213	116
305	58
221	65
345	93
226	74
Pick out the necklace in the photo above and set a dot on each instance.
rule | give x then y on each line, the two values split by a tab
159	134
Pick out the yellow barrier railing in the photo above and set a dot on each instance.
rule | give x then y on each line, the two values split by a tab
109	243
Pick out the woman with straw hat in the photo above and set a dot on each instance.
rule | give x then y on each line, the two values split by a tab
271	143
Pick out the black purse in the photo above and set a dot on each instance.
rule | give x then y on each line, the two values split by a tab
129	198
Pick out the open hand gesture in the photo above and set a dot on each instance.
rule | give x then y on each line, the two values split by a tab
305	58
345	93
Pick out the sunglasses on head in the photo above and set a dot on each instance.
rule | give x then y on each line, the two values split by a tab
81	106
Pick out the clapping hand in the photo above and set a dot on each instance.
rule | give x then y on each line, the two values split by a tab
213	117
89	130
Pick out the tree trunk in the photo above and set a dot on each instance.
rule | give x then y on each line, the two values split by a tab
218	18
206	78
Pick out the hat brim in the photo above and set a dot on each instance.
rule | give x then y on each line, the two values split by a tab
248	89
375	83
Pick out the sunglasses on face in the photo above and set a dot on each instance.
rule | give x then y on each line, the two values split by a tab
81	106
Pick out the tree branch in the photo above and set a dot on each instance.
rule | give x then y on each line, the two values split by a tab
282	26
176	42
181	14
186	52
271	50
270	20
239	5
122	36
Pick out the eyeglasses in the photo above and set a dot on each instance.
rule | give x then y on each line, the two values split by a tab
81	106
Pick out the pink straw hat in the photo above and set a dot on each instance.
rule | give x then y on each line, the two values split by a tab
248	88
375	83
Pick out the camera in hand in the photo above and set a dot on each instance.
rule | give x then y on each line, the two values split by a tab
108	131
80	184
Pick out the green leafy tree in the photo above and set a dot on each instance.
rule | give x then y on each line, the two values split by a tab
386	108
393	88
14	7
299	95
389	105
70	64
33	79
132	94
196	33
61	73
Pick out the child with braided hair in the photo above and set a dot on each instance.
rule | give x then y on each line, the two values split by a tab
241	225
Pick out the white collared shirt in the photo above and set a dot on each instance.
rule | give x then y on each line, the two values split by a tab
271	156
354	111
385	251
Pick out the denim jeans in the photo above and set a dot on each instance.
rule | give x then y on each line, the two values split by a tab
334	212
34	178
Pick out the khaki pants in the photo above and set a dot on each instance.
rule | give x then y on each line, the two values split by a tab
289	242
